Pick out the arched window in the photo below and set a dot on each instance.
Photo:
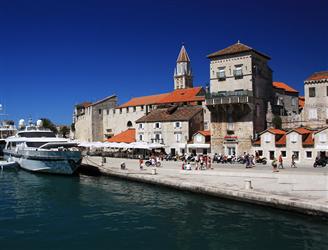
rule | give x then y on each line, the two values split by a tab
129	124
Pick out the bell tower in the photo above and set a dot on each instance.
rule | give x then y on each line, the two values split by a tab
182	72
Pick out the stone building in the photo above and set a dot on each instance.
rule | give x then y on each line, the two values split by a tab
299	141
240	89
285	99
88	119
125	115
172	127
316	100
200	143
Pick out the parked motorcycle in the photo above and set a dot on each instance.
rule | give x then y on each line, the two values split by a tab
262	160
149	164
320	162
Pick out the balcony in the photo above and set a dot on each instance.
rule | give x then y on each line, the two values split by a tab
154	140
229	97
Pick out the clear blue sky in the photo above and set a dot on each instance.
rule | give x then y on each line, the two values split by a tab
55	54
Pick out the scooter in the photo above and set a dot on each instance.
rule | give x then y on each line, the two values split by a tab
148	163
320	162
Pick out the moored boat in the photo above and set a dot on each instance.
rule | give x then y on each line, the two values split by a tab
38	149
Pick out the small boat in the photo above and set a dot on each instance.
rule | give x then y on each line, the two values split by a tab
38	149
8	165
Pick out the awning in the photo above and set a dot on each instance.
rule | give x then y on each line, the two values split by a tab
198	145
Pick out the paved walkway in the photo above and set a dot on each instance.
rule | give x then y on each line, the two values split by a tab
304	188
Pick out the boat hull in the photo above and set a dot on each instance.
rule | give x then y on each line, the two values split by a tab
52	162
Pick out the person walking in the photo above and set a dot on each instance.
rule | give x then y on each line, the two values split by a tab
247	161
293	165
274	165
140	162
280	160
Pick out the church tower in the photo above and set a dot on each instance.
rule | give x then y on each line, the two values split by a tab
182	72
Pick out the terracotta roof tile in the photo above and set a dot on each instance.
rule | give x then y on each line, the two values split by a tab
308	140
281	141
235	49
322	75
205	132
126	136
163	115
302	130
276	131
284	86
301	101
184	95
144	100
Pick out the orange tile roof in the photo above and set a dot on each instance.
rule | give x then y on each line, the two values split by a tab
126	136
204	132
322	75
236	49
144	100
302	130
308	140
284	86
257	142
281	141
276	131
184	95
301	101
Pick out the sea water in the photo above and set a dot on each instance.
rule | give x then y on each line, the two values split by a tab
58	212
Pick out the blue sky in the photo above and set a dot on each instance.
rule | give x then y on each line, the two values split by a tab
55	54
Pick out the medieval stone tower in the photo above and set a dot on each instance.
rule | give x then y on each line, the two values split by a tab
182	72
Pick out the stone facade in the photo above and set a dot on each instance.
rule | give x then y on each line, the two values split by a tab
88	119
170	131
240	88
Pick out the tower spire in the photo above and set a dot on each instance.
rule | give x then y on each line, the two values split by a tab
182	72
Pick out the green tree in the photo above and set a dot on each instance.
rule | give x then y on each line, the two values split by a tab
47	123
64	131
277	122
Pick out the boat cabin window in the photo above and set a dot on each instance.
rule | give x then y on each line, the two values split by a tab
11	145
37	134
35	144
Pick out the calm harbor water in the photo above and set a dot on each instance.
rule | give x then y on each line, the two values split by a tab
82	212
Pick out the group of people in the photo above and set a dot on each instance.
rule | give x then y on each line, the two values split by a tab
202	162
280	163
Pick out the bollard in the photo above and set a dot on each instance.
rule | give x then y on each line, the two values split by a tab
248	184
153	171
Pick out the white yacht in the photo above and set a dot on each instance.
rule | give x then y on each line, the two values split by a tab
38	149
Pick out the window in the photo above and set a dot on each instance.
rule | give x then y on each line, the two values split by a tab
99	111
221	74
114	111
120	111
271	155
140	137
238	72
141	125
177	137
294	102
267	138
312	92
283	153
142	107
293	138
127	110
313	114
177	125
129	124
158	137
260	152
308	154
134	109
297	155
323	138
157	125
205	125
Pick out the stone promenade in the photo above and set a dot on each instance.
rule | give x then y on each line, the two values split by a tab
303	189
